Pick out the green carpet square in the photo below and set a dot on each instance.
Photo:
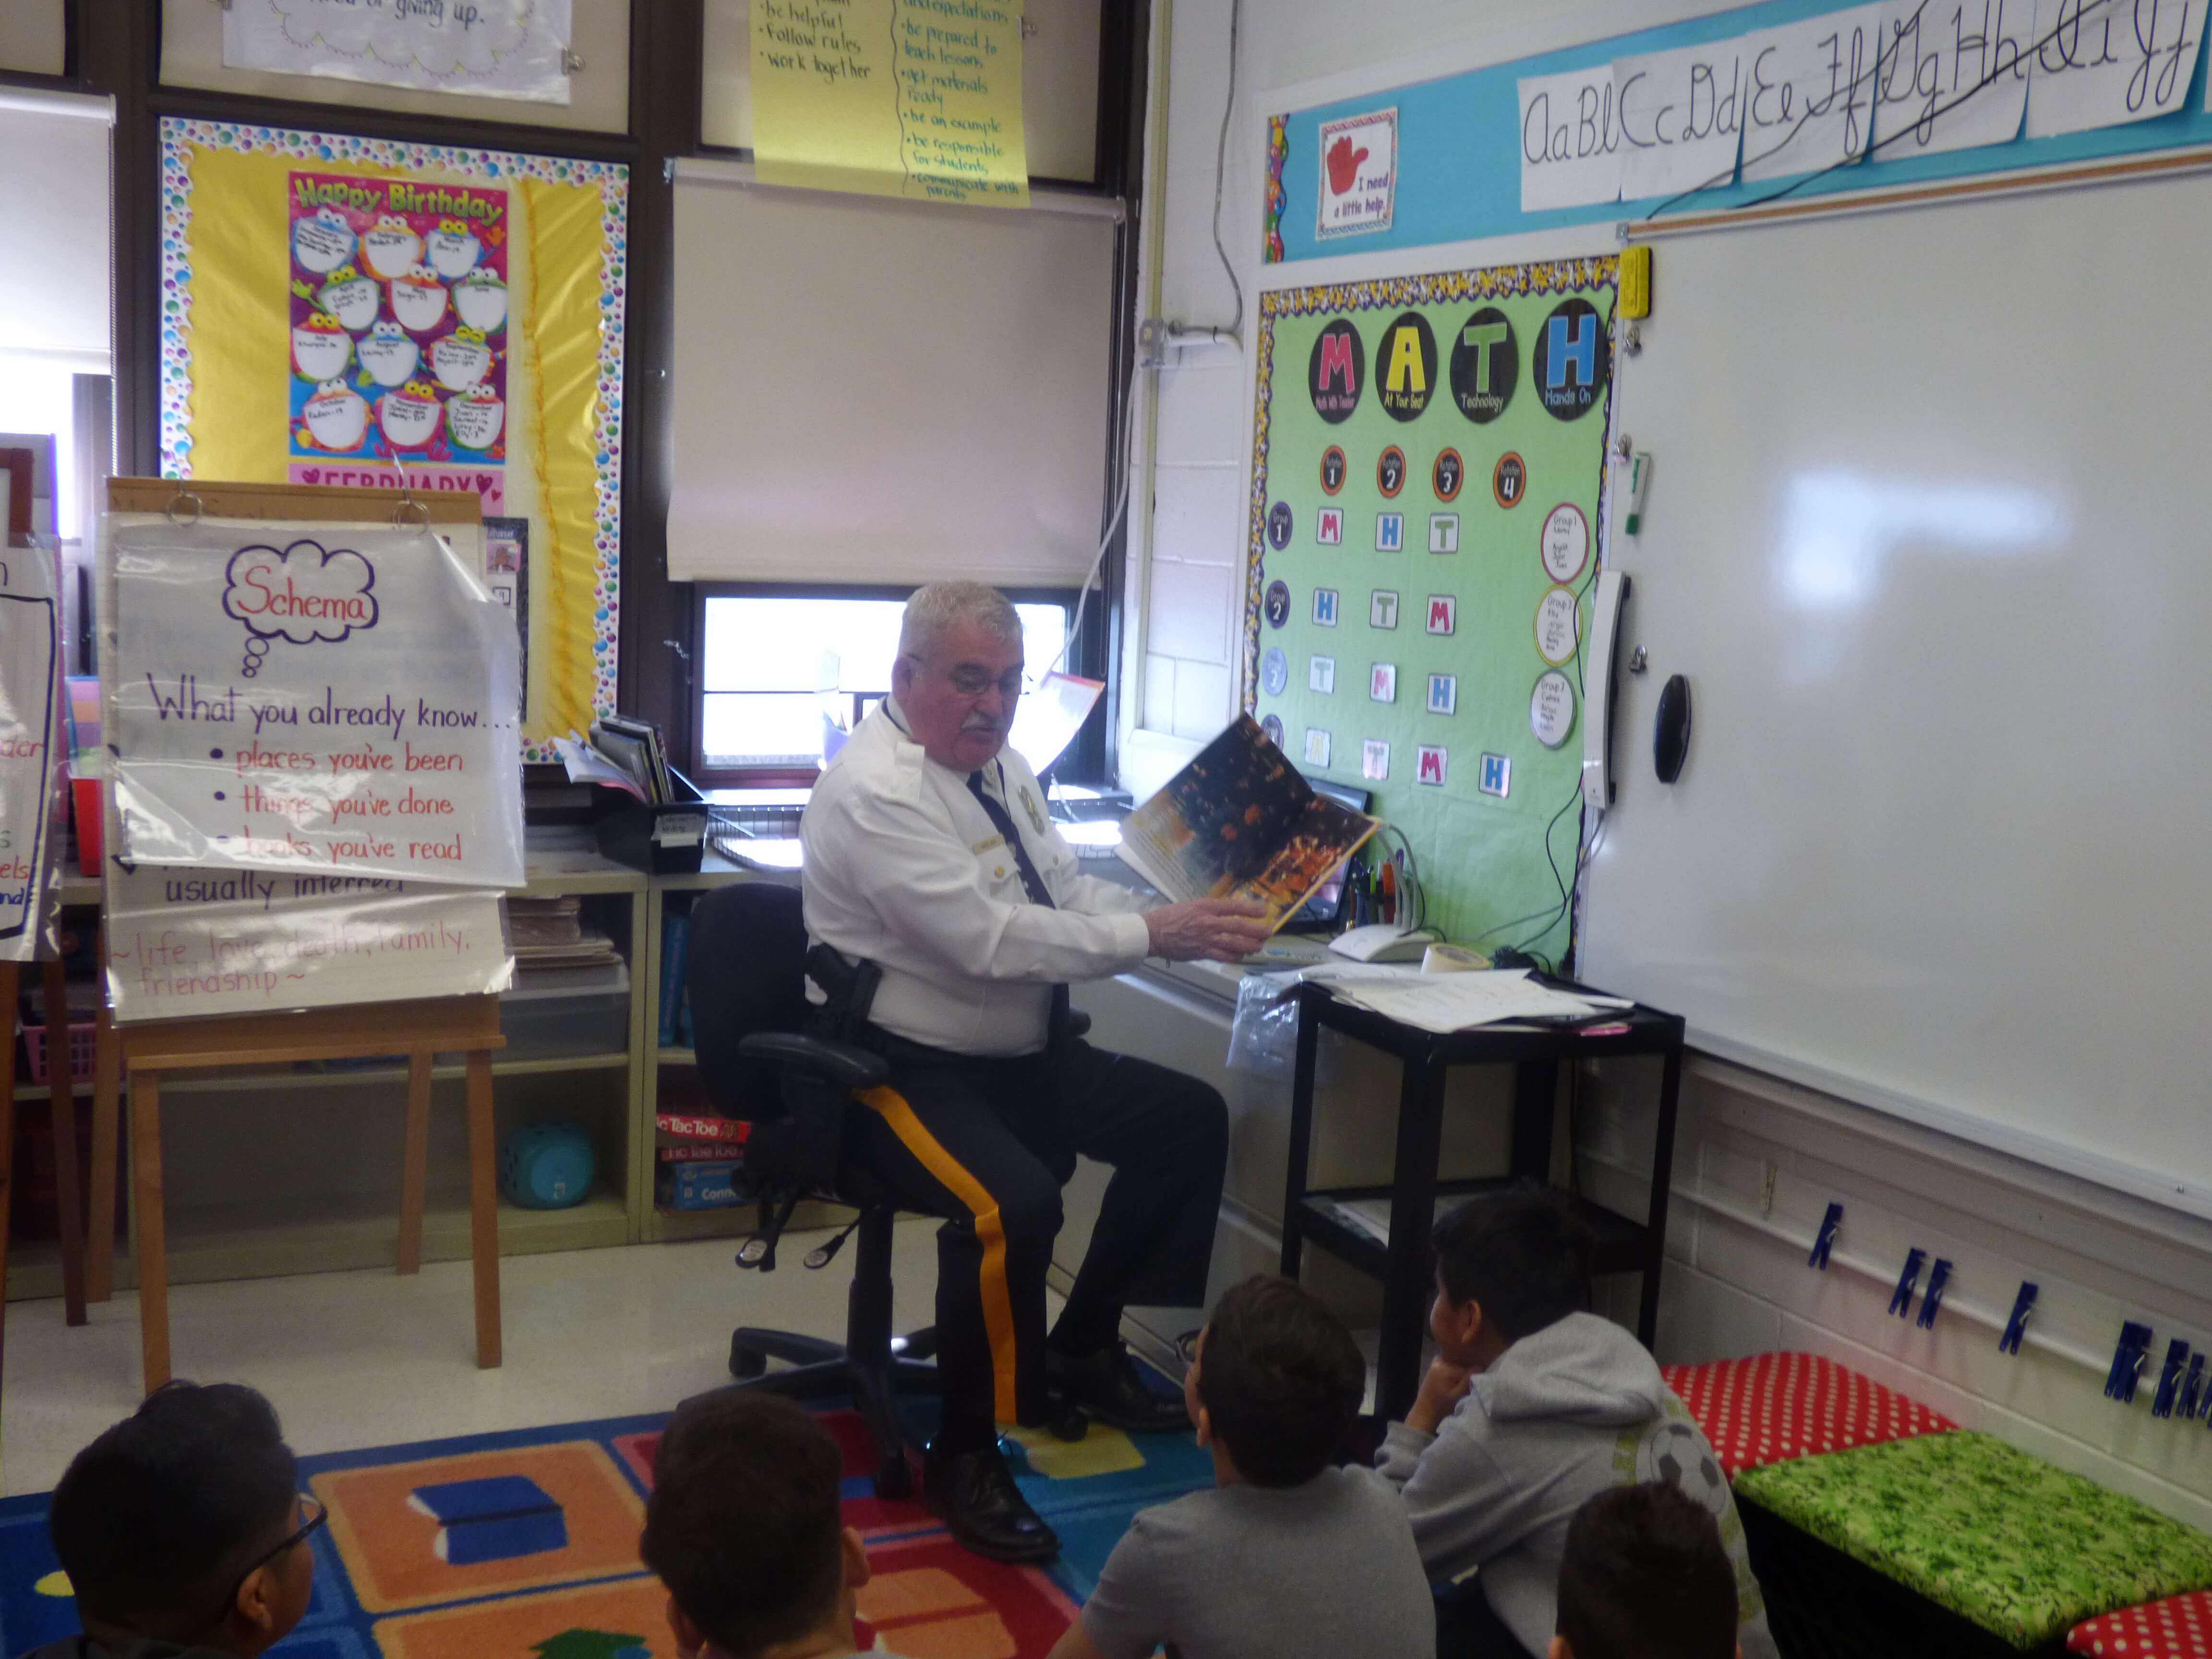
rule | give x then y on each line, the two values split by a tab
1996	1534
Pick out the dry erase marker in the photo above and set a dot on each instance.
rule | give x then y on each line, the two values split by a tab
1639	479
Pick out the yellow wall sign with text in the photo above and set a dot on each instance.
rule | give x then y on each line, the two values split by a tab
349	311
913	98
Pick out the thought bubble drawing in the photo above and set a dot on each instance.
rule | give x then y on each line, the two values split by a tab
302	593
460	38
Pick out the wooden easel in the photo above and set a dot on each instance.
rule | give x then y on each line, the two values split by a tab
420	1030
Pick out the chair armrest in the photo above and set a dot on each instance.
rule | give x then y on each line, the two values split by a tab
846	1066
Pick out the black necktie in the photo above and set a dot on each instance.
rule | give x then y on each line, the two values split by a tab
1003	822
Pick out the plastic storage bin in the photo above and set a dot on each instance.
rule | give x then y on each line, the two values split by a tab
559	1013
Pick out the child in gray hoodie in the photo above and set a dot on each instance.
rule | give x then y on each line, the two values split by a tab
1534	1406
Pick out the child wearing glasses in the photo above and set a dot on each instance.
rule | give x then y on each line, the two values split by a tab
183	1532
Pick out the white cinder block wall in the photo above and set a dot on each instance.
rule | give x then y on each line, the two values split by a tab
1734	1285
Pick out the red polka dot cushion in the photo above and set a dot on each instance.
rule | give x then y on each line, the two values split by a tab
2179	1627
1774	1406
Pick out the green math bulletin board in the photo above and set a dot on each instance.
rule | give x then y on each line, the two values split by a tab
1428	485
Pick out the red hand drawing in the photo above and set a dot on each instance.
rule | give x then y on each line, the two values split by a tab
1344	165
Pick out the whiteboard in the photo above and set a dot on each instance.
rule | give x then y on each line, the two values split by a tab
1929	531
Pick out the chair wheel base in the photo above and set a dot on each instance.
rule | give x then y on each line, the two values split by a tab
746	1364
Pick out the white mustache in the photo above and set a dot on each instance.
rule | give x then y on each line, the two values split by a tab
979	723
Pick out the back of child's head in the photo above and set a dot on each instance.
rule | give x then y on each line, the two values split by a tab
1644	1576
1522	1253
743	1525
169	1509
1281	1381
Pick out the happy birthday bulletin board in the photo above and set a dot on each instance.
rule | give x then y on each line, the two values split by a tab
347	311
1428	485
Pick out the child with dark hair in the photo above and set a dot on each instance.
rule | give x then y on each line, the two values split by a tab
183	1532
1645	1576
1534	1406
744	1527
1286	1556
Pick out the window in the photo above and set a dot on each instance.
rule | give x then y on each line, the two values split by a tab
779	676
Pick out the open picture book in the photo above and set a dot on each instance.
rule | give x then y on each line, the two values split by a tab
1239	822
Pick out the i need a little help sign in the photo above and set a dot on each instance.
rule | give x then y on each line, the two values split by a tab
322	698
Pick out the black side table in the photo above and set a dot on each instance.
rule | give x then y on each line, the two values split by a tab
1404	1264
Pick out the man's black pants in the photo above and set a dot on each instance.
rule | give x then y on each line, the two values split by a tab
987	1144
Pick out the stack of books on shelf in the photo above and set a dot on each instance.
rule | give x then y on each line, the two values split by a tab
700	1163
548	934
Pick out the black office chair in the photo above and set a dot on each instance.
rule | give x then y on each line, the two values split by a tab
748	970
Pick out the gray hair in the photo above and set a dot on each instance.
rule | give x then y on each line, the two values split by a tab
935	608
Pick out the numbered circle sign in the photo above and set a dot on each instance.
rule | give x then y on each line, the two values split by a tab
1448	474
1565	542
1274	671
1390	470
1332	470
1509	479
1556	617
1273	726
1278	526
1552	709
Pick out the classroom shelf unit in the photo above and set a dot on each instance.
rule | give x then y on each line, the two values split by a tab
287	1169
670	1084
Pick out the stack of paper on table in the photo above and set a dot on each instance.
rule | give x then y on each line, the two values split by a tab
1453	1002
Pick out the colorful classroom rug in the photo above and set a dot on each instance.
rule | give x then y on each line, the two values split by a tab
524	1546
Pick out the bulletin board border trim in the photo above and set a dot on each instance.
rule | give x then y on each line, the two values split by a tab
180	135
1395	293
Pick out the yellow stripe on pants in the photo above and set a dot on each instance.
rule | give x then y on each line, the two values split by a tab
998	1305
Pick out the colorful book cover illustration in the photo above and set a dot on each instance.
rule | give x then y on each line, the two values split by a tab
1239	822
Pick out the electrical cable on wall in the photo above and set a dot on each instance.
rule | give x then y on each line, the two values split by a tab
1234	333
2034	51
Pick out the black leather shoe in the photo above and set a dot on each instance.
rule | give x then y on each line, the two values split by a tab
973	1493
1106	1387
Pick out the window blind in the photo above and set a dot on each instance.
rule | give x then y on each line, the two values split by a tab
54	286
870	390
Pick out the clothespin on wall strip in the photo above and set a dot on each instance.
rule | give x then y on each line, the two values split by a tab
2127	1362
1938	1277
2016	1326
2192	1388
1900	1299
2169	1378
1831	1224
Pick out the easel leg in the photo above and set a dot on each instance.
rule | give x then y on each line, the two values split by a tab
106	1070
415	1164
10	987
153	1243
62	1105
483	1208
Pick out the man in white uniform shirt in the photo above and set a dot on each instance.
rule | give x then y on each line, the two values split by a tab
928	853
